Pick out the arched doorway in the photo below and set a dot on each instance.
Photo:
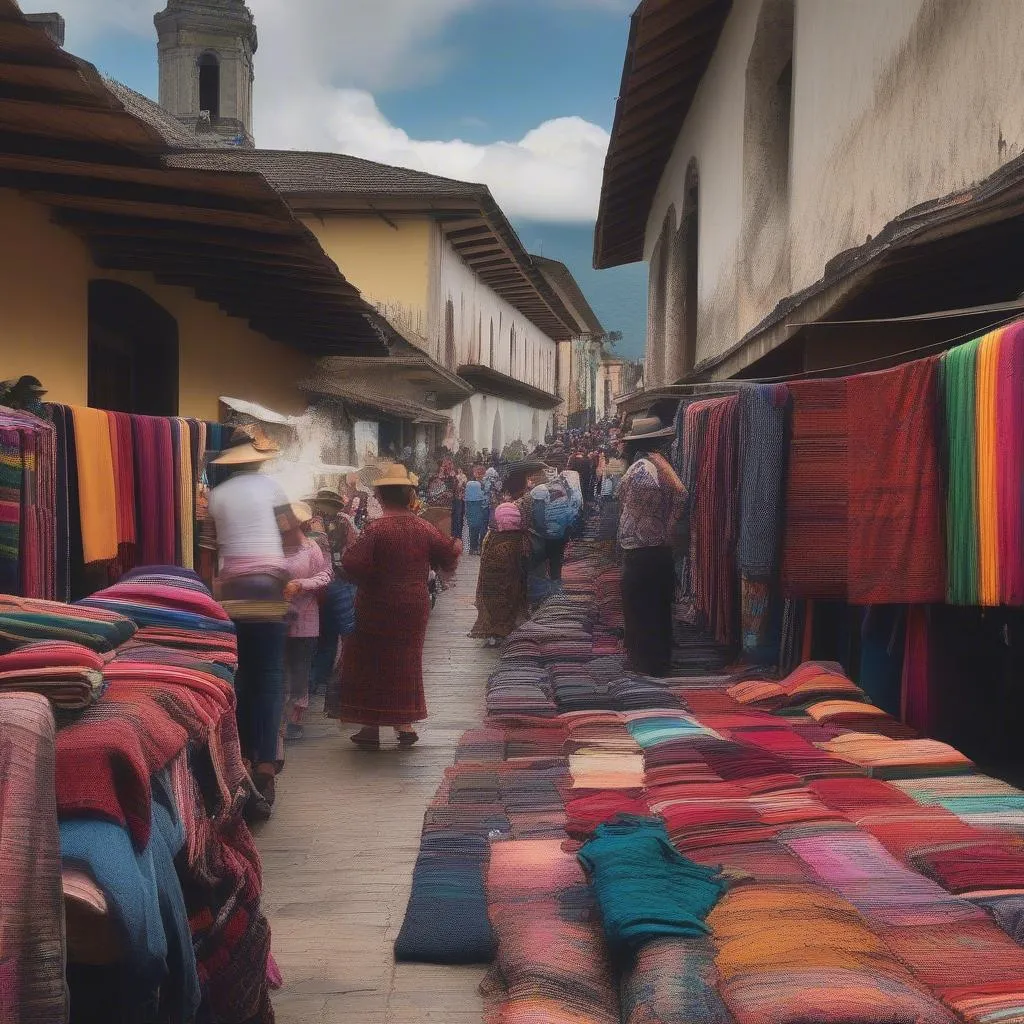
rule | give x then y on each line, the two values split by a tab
133	351
467	430
209	85
497	434
535	429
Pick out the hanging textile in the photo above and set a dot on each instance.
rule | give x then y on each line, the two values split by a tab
895	548
764	440
28	477
959	367
817	491
154	473
715	520
1009	434
97	495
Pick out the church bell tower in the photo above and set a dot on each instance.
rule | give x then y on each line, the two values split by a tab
206	52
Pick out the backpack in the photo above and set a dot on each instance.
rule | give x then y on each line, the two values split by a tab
560	509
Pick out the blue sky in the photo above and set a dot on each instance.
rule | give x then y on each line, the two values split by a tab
517	93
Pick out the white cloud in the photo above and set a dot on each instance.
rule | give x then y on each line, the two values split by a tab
320	62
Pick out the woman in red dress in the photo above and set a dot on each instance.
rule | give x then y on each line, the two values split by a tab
381	678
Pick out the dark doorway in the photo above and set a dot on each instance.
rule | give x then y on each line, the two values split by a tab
209	85
133	351
450	355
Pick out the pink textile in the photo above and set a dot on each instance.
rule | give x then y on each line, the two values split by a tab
1009	454
508	517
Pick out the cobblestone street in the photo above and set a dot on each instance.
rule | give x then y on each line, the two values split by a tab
339	852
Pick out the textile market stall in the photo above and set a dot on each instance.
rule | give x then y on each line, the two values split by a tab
897	867
161	880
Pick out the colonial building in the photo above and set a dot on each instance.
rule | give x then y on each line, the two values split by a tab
436	257
132	285
784	163
578	356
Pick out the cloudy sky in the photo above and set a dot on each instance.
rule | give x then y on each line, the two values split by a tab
518	94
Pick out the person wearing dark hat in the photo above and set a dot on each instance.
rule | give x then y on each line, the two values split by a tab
651	498
251	578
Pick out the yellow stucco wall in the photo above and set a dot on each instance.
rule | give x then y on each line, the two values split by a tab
389	264
44	277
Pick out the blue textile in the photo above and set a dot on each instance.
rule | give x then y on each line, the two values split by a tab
474	492
146	900
645	887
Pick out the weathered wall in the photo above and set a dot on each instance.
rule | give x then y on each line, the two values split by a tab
44	278
894	102
475	310
482	420
388	262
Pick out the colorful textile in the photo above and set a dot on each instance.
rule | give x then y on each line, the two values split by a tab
32	987
895	547
97	494
23	621
381	677
764	411
816	537
645	888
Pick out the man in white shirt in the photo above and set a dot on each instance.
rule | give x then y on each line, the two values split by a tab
245	511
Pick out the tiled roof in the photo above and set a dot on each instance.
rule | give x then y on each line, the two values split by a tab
173	132
296	171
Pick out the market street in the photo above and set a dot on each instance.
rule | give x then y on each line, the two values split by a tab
339	852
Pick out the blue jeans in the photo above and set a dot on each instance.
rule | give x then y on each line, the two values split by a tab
259	687
323	660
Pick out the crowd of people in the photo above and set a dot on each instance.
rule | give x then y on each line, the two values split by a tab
331	592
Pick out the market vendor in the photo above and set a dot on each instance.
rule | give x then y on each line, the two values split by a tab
652	498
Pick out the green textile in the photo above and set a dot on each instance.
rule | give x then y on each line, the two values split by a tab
959	388
645	887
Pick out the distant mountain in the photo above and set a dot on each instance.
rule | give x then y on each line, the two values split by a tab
618	297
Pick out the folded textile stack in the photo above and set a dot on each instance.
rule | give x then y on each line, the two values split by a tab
874	878
69	675
149	783
24	621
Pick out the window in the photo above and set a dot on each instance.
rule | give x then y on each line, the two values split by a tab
491	363
133	351
512	350
209	84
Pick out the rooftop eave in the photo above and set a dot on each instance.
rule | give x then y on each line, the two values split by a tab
493	382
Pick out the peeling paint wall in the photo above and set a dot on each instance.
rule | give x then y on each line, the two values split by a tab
894	102
521	349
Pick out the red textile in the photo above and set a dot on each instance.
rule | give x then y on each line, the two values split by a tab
106	758
154	475
816	537
1009	456
381	678
918	709
897	545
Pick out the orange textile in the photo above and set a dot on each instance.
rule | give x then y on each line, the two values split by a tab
97	495
988	499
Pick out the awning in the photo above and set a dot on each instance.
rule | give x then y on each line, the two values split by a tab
360	397
491	382
69	142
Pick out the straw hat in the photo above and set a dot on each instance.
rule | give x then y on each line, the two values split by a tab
397	476
648	428
248	445
329	498
301	512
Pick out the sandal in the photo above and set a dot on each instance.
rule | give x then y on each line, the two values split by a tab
366	739
407	738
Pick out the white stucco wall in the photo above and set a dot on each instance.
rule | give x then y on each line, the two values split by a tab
475	420
476	307
895	102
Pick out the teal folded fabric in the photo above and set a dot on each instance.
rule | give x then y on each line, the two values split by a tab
646	889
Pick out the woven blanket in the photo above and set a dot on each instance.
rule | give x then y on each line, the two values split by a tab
31	900
97	494
816	539
896	552
763	447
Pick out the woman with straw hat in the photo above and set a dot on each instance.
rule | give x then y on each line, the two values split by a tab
381	677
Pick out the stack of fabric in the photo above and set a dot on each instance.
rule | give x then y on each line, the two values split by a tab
149	785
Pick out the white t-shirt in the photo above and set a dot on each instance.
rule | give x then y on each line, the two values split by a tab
243	511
